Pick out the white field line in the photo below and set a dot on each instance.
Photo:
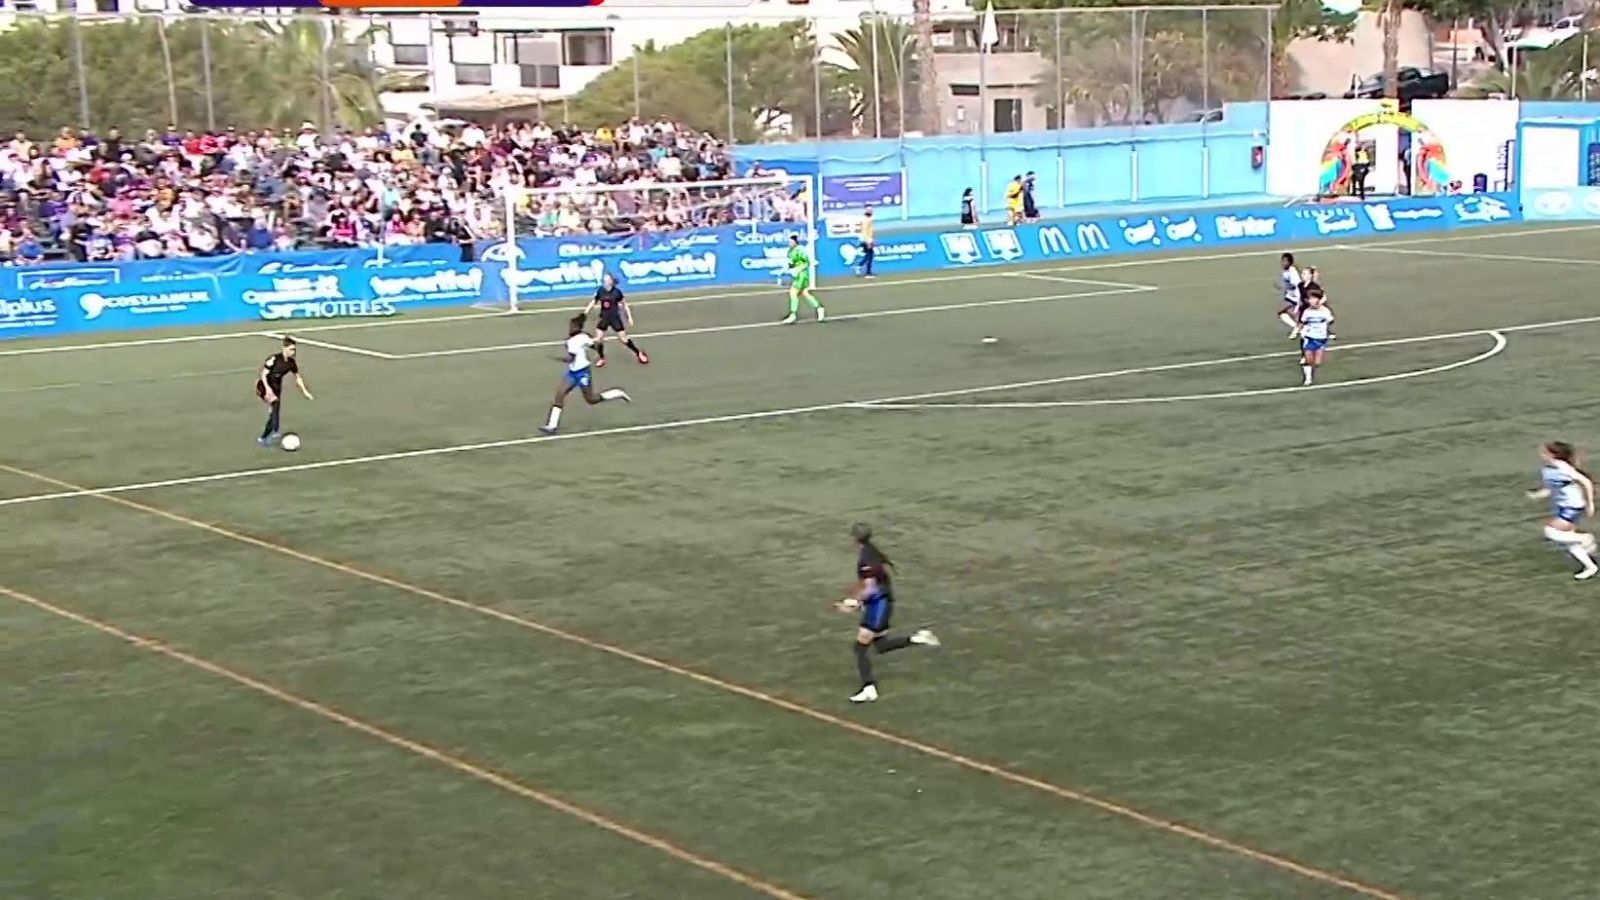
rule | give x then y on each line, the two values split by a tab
772	323
989	271
1499	345
1506	257
327	345
679	424
1048	275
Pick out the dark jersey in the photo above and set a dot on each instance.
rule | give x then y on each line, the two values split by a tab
277	366
873	564
610	300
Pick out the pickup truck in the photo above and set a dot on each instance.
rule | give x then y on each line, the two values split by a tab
1415	84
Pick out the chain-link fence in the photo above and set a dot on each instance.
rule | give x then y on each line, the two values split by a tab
882	76
768	79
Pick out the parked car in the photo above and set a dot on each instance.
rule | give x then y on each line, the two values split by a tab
1415	84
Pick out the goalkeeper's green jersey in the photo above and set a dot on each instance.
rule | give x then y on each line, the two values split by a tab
799	262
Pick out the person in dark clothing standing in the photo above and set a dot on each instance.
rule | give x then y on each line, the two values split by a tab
969	210
873	595
269	387
1360	168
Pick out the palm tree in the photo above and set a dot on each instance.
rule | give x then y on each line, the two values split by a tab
1389	18
1553	74
927	75
315	71
878	79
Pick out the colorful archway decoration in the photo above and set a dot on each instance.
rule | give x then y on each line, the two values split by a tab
1432	169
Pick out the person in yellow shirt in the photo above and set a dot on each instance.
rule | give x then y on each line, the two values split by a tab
869	244
1014	200
603	136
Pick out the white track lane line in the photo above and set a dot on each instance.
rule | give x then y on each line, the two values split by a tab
679	424
1495	350
842	285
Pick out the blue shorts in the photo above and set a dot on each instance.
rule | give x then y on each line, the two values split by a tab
579	379
1312	345
1571	514
875	614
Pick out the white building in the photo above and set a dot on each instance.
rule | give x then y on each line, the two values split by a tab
547	54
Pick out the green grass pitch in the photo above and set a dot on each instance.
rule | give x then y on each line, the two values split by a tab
1206	635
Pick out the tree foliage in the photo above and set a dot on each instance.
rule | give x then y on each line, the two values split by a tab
146	73
1116	65
881	83
771	74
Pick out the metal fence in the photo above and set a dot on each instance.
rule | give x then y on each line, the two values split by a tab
884	76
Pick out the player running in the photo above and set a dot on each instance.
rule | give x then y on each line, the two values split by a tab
1289	283
616	316
269	388
578	375
800	283
1571	493
874	597
1316	327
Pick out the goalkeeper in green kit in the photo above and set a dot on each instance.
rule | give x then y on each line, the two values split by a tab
800	283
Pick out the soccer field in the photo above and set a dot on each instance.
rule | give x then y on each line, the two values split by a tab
1206	634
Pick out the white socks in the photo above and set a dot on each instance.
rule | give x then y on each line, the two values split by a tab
555	418
1575	543
1308	370
613	394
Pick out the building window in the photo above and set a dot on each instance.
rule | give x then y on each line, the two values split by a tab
541	76
965	90
105	6
410	54
1007	115
469	73
586	48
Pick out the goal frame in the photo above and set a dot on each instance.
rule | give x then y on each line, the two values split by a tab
788	182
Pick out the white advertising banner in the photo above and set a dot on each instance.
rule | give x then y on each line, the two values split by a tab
1445	142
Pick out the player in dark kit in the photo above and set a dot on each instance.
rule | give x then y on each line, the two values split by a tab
269	387
614	316
874	597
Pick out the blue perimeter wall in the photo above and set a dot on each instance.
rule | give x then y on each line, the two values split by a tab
288	288
1098	163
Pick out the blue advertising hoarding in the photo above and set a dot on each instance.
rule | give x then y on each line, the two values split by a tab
705	257
1049	242
63	299
1561	204
860	191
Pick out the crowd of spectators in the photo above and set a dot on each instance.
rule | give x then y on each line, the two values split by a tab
109	196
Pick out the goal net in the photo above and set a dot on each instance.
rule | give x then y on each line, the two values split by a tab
651	236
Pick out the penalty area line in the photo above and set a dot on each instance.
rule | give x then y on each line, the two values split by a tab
329	345
757	415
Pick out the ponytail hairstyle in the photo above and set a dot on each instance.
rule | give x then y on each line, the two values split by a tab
862	532
1565	452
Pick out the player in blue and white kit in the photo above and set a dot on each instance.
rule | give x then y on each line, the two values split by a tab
579	374
1316	327
1571	493
1289	283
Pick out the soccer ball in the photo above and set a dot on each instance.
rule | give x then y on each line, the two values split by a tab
290	442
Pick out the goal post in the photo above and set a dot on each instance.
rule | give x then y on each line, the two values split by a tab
651	236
